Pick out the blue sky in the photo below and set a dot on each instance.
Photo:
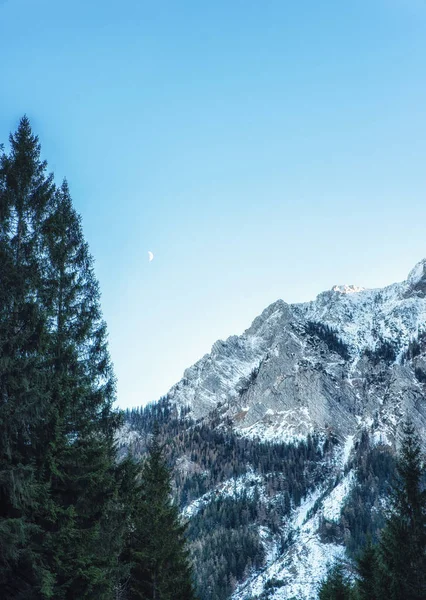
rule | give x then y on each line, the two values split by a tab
261	149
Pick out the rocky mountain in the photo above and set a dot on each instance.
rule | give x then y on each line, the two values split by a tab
325	386
332	363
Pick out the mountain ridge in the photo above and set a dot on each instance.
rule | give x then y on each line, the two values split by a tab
276	368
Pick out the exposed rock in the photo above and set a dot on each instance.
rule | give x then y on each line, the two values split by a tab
278	381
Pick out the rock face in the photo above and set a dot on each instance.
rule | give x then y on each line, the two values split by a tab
330	364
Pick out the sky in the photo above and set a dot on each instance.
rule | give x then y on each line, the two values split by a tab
260	149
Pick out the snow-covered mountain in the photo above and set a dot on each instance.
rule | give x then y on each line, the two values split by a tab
282	378
349	364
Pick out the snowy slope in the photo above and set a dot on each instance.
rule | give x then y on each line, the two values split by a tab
303	565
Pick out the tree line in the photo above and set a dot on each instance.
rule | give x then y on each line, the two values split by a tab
75	522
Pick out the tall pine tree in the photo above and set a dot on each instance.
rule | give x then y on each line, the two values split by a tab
60	487
79	462
25	193
368	587
336	585
403	542
160	564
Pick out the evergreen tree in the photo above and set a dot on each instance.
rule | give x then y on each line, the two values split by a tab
79	457
403	541
160	560
336	585
61	493
367	565
25	193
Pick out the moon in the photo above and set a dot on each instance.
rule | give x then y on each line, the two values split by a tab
150	256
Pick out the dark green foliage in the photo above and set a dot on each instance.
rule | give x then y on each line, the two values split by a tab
226	545
402	548
218	455
160	564
330	532
420	375
58	479
416	347
25	193
362	513
248	382
367	567
330	337
65	501
384	351
274	583
336	585
79	456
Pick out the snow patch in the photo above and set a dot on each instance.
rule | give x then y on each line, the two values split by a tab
230	488
347	448
333	503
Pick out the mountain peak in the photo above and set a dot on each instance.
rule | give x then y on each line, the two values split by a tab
417	276
347	289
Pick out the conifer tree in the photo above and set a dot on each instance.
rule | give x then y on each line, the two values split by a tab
160	560
367	565
61	492
403	541
79	459
336	585
25	193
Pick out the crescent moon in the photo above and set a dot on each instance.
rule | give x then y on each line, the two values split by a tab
150	256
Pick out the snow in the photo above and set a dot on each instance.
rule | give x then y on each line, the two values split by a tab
347	289
347	448
126	436
304	564
417	272
270	545
381	437
230	488
333	503
361	315
292	426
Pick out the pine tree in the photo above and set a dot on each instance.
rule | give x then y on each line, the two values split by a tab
336	585
160	560
403	541
367	567
63	514
79	458
25	193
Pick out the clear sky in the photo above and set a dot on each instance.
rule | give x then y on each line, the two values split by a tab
261	149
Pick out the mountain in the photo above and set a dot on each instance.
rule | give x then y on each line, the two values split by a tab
293	424
307	367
